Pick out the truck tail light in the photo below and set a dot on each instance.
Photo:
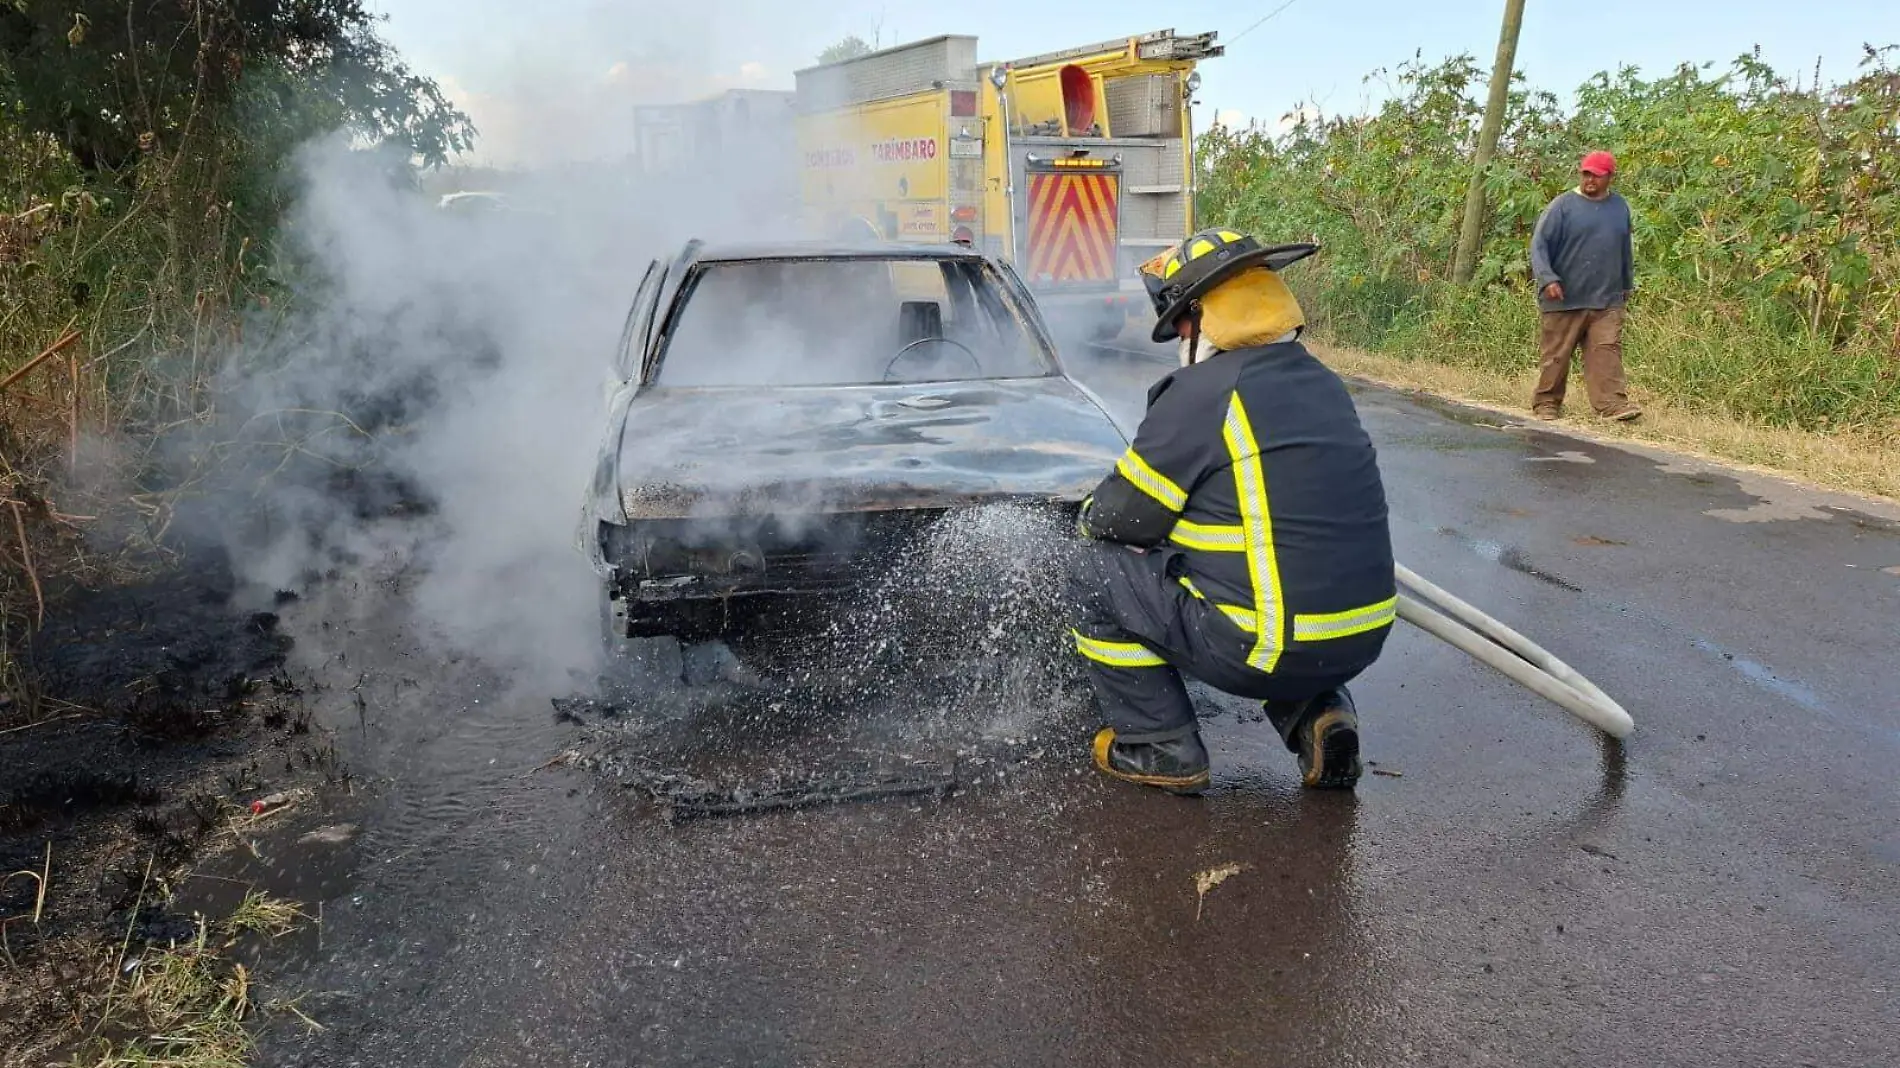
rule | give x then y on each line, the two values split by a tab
965	213
962	103
963	236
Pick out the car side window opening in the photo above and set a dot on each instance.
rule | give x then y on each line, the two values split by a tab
857	321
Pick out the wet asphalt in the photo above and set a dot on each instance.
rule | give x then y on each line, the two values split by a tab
1503	888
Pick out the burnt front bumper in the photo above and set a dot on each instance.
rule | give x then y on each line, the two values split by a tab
667	561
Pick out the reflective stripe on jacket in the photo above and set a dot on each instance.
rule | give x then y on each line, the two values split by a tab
1254	468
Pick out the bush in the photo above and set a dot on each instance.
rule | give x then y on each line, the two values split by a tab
1768	275
144	158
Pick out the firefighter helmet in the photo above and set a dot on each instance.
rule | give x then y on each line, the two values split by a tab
1179	277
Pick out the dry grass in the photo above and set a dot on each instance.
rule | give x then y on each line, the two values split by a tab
186	1006
189	1005
1862	464
111	1002
259	913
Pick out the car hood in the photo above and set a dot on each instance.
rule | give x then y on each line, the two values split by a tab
688	453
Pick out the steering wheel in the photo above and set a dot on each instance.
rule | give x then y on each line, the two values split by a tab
974	362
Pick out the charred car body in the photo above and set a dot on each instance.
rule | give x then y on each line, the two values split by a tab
784	410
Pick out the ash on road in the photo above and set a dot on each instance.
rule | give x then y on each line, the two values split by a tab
1502	890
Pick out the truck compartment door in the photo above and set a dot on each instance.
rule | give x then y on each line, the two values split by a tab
1073	226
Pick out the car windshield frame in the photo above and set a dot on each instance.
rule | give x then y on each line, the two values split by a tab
987	293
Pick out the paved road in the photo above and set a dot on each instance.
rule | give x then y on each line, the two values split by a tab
1511	892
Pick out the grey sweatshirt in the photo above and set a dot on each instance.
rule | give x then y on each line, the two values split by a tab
1585	244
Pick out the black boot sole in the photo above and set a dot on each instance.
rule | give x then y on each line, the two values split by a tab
1338	765
1179	785
1190	785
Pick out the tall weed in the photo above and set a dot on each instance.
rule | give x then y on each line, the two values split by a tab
1767	212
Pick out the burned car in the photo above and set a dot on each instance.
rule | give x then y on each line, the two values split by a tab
783	410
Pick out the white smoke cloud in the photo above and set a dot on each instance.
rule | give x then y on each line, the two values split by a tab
464	359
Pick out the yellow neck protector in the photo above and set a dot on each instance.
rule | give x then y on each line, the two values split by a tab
1252	308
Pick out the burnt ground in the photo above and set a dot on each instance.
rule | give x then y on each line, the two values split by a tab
165	712
163	709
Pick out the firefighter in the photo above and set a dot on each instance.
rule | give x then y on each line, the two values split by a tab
1242	539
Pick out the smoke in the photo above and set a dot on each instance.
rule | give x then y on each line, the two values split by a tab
434	390
435	393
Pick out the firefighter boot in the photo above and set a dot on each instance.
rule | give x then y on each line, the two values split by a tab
1324	731
1175	760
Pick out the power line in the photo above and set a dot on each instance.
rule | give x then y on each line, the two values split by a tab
1262	22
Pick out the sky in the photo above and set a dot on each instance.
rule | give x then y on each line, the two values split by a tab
559	77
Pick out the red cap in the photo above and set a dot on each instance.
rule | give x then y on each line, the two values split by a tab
1600	163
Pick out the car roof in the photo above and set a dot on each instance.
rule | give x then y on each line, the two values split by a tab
784	250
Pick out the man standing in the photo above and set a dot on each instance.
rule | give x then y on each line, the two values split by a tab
1243	537
1581	257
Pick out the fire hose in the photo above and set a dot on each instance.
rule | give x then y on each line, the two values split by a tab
1442	615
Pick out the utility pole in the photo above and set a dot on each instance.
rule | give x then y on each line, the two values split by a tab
1472	231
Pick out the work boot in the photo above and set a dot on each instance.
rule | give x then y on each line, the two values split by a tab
1547	412
1327	740
1174	761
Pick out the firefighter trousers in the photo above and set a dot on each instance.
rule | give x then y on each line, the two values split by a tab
1139	629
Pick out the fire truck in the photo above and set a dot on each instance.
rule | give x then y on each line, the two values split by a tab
1073	166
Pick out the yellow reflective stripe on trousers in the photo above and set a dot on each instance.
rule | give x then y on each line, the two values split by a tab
1155	484
1242	617
1209	537
1256	520
1316	627
1319	628
1117	654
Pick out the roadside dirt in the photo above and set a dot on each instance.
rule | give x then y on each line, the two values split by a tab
171	714
1864	464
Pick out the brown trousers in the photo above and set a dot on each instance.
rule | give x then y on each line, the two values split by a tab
1599	331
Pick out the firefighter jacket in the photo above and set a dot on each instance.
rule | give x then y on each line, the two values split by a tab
1253	473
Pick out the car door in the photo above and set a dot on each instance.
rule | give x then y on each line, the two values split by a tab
602	501
1013	283
634	335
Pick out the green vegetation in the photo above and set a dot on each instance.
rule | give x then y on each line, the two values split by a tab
145	154
850	48
1766	211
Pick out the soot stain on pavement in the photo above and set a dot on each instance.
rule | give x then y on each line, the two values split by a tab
1764	498
1507	556
164	711
717	750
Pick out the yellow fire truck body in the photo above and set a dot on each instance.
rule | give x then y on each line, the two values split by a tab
1073	166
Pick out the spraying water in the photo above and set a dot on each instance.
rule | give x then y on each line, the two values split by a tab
950	654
